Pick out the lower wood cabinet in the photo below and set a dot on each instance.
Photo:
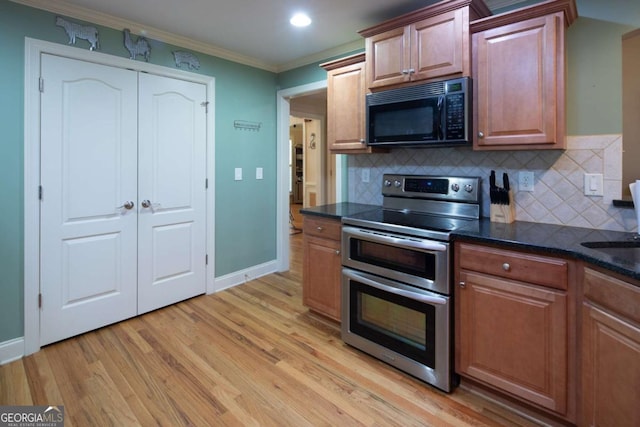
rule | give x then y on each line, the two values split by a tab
610	351
513	331
322	266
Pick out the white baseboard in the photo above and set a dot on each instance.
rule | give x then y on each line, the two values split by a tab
11	350
242	276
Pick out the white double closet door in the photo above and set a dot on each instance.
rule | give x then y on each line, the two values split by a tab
123	206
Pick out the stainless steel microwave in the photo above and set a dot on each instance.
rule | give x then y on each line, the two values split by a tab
433	114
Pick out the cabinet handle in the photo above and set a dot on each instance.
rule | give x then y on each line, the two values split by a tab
362	141
405	71
338	252
319	228
463	285
480	134
506	266
411	71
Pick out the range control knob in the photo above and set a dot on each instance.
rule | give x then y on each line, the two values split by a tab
468	188
455	187
397	183
387	183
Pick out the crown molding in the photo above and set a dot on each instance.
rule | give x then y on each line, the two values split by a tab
110	21
322	56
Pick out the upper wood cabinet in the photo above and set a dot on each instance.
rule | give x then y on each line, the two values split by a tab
346	91
429	43
519	77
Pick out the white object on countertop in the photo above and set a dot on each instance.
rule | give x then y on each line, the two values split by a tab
635	195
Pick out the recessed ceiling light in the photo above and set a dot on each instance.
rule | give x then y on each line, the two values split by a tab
300	20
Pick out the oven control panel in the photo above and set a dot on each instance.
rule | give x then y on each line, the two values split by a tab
450	188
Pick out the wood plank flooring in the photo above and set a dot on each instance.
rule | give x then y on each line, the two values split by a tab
247	356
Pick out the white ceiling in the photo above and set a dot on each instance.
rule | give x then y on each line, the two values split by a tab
258	33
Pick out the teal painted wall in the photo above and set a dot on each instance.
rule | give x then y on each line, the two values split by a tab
245	214
594	83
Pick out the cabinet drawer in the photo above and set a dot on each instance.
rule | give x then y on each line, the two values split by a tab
536	269
321	227
614	294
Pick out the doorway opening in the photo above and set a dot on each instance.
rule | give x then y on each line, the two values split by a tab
302	110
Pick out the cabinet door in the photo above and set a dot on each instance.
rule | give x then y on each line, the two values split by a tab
519	80
438	46
346	108
321	276
513	336
610	369
389	57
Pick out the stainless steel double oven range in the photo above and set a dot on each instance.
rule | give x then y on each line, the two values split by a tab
396	275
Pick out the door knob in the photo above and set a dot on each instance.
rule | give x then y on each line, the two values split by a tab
127	205
146	203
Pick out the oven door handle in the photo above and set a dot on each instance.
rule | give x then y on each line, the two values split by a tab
392	290
426	245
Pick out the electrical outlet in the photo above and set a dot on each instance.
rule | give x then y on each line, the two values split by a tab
365	175
525	181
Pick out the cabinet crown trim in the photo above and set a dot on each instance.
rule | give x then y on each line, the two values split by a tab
478	10
568	7
343	62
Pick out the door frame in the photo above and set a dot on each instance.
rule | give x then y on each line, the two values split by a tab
282	156
33	50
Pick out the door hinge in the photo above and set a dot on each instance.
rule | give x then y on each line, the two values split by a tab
41	84
40	192
39	300
206	259
205	104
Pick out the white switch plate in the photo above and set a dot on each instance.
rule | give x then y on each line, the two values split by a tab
258	173
238	174
593	184
525	181
365	175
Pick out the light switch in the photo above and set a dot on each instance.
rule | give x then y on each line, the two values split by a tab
238	174
593	184
258	173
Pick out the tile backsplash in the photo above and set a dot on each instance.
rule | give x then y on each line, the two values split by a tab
558	196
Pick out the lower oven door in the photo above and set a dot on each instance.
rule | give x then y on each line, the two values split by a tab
420	262
407	327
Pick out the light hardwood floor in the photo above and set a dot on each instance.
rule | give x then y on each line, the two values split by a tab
247	356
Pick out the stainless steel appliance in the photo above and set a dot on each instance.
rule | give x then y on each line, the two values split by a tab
396	275
431	114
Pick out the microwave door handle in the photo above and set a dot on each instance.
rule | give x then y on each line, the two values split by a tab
440	118
396	291
410	243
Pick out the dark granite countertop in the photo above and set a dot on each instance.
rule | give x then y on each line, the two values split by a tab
559	240
545	238
338	210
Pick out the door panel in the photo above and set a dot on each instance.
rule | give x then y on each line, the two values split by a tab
88	172
172	173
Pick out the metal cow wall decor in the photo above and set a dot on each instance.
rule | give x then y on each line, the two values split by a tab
77	31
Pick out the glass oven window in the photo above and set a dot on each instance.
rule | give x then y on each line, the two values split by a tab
398	323
405	260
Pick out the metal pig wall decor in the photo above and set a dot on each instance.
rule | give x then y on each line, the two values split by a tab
77	31
139	47
182	57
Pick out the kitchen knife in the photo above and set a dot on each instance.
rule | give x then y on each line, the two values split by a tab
505	182
492	187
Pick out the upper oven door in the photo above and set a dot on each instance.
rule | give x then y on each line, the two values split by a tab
403	122
418	262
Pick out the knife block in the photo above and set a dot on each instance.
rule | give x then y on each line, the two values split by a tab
503	213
